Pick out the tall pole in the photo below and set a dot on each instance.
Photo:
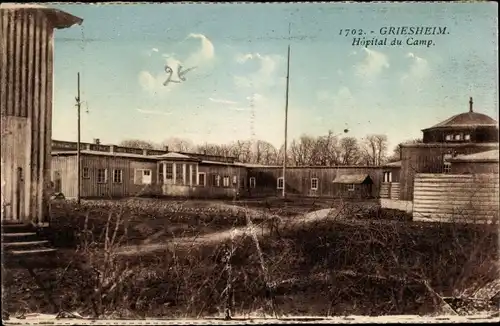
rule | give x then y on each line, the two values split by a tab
78	172
286	116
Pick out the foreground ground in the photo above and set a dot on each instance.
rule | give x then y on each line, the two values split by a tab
143	257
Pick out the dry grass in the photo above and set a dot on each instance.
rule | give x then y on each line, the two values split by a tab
332	266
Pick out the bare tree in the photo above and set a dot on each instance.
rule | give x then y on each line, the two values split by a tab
374	149
349	151
301	150
396	152
241	150
326	151
178	144
263	152
137	143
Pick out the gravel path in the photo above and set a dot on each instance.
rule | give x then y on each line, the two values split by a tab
216	237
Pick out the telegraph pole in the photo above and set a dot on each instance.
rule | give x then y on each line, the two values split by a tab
286	115
78	172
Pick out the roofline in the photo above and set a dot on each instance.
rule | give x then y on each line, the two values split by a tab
163	158
479	160
471	126
325	167
137	156
444	145
357	183
59	19
96	153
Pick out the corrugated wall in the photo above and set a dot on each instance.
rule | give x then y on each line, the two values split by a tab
298	179
26	106
443	197
429	159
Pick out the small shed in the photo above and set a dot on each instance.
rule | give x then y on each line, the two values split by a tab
477	163
357	186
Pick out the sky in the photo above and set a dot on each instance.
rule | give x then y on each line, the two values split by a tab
237	89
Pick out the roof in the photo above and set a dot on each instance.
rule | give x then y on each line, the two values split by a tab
353	179
393	164
176	156
467	119
451	145
58	18
487	156
99	153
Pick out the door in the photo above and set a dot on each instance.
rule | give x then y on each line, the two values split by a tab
19	192
57	182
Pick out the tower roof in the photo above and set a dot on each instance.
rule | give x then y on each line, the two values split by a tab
58	18
466	119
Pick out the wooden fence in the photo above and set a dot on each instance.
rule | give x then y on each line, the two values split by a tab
460	198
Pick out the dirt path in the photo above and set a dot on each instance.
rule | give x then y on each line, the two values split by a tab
216	237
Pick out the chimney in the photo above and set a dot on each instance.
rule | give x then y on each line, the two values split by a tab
97	141
470	105
166	148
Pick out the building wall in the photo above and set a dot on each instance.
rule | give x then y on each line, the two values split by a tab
298	180
474	167
466	197
91	188
26	109
477	135
429	159
211	190
66	167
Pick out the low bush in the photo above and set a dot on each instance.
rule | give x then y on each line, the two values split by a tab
329	267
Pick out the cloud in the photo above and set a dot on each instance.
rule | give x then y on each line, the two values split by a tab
202	56
418	69
153	84
264	77
205	53
222	101
343	98
372	65
154	50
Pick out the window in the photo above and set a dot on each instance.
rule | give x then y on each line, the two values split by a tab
102	175
387	177
216	180
314	183
179	174
252	182
161	166
142	176
448	137
446	164
201	179
280	183
447	167
226	181
235	180
193	175
458	137
351	187
467	137
117	176
169	171
85	173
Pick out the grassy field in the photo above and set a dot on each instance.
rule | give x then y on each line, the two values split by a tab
371	264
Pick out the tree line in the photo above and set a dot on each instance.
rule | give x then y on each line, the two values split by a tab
326	150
